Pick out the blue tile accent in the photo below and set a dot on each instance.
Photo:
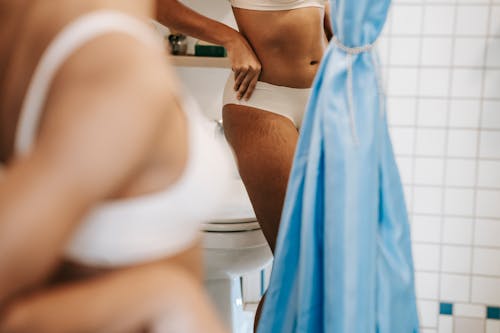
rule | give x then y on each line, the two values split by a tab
446	309
493	312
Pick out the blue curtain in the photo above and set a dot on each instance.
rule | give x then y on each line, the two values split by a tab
343	260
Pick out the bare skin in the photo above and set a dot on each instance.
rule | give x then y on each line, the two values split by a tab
288	52
96	89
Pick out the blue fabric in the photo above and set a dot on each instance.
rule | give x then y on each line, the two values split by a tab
343	259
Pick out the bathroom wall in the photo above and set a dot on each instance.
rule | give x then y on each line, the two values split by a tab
442	69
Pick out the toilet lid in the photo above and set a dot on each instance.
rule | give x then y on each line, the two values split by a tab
230	227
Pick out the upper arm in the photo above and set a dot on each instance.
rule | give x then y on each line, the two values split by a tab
177	16
100	122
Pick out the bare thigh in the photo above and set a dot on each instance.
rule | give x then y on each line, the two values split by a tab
149	298
264	144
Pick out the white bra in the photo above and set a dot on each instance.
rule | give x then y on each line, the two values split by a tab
152	226
276	4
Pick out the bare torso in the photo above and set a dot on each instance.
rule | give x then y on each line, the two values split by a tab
289	44
38	29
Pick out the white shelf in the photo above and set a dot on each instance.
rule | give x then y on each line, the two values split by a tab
193	61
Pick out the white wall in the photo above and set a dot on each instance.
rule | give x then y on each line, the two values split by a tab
442	66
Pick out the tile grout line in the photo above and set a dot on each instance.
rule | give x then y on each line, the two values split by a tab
478	145
416	105
445	153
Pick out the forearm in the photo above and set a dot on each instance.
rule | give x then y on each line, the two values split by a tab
33	229
175	15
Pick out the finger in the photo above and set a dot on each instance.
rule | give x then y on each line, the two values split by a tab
244	84
251	87
238	79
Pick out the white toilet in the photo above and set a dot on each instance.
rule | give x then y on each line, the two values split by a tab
233	245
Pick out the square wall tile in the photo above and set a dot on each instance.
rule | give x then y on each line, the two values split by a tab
455	288
486	261
427	200
439	20
490	117
472	20
469	51
406	20
434	82
468	325
460	172
405	51
493	52
403	140
408	191
402	81
446	309
495	20
489	146
405	166
445	324
486	233
493	312
459	201
401	111
426	257
492	83
466	83
486	290
462	143
428	171
469	310
430	142
457	231
487	203
382	47
436	51
426	229
432	112
475	2
427	285
489	174
456	259
464	113
492	326
429	312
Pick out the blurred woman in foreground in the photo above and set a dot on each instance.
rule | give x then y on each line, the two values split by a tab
103	156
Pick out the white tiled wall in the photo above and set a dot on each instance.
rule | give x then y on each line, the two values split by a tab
442	68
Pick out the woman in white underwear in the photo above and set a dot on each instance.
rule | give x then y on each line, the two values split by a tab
274	57
104	162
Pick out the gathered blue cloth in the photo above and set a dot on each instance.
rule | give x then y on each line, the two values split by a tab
343	260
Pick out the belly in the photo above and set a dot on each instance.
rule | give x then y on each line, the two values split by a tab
291	45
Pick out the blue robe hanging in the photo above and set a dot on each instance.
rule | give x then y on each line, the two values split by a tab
343	259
